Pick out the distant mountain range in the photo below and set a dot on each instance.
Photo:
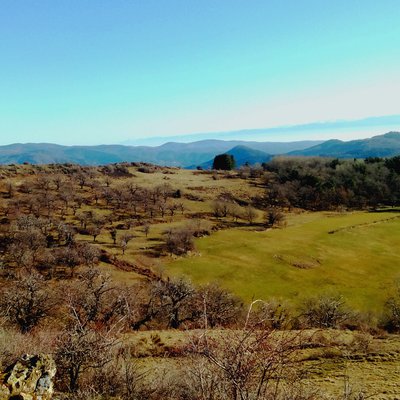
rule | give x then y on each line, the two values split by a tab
170	154
200	153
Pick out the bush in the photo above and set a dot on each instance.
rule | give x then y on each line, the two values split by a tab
324	311
392	312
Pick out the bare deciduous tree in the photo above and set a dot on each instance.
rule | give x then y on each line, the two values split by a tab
250	214
26	302
220	308
245	364
80	349
176	300
274	217
96	310
124	240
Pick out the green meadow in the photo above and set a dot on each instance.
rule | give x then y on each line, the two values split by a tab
360	259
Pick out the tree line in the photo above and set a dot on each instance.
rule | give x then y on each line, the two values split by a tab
323	184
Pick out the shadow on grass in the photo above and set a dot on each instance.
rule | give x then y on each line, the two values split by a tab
385	210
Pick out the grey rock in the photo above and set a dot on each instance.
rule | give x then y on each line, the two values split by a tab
29	378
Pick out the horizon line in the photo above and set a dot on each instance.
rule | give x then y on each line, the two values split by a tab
339	124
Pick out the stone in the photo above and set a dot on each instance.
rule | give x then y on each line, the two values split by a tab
29	378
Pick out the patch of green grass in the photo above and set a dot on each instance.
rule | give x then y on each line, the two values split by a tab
360	261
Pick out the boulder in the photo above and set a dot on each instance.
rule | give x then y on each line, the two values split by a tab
29	378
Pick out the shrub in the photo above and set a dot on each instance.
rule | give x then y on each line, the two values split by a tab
392	312
325	311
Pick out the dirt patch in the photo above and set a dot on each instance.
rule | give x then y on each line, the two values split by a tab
298	262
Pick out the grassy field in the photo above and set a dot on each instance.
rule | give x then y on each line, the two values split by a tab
359	260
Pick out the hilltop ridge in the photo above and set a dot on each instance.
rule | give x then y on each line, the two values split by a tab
385	145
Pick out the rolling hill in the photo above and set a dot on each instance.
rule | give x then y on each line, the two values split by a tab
386	145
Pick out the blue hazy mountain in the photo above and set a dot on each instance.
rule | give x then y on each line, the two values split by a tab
386	145
243	155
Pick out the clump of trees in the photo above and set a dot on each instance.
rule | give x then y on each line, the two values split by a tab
179	240
321	183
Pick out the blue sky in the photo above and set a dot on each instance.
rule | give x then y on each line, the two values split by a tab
95	71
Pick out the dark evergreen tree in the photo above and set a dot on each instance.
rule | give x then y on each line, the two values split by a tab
393	164
224	162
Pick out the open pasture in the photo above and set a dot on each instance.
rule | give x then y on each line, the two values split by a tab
354	254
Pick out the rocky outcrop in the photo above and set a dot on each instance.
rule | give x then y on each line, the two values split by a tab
29	378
